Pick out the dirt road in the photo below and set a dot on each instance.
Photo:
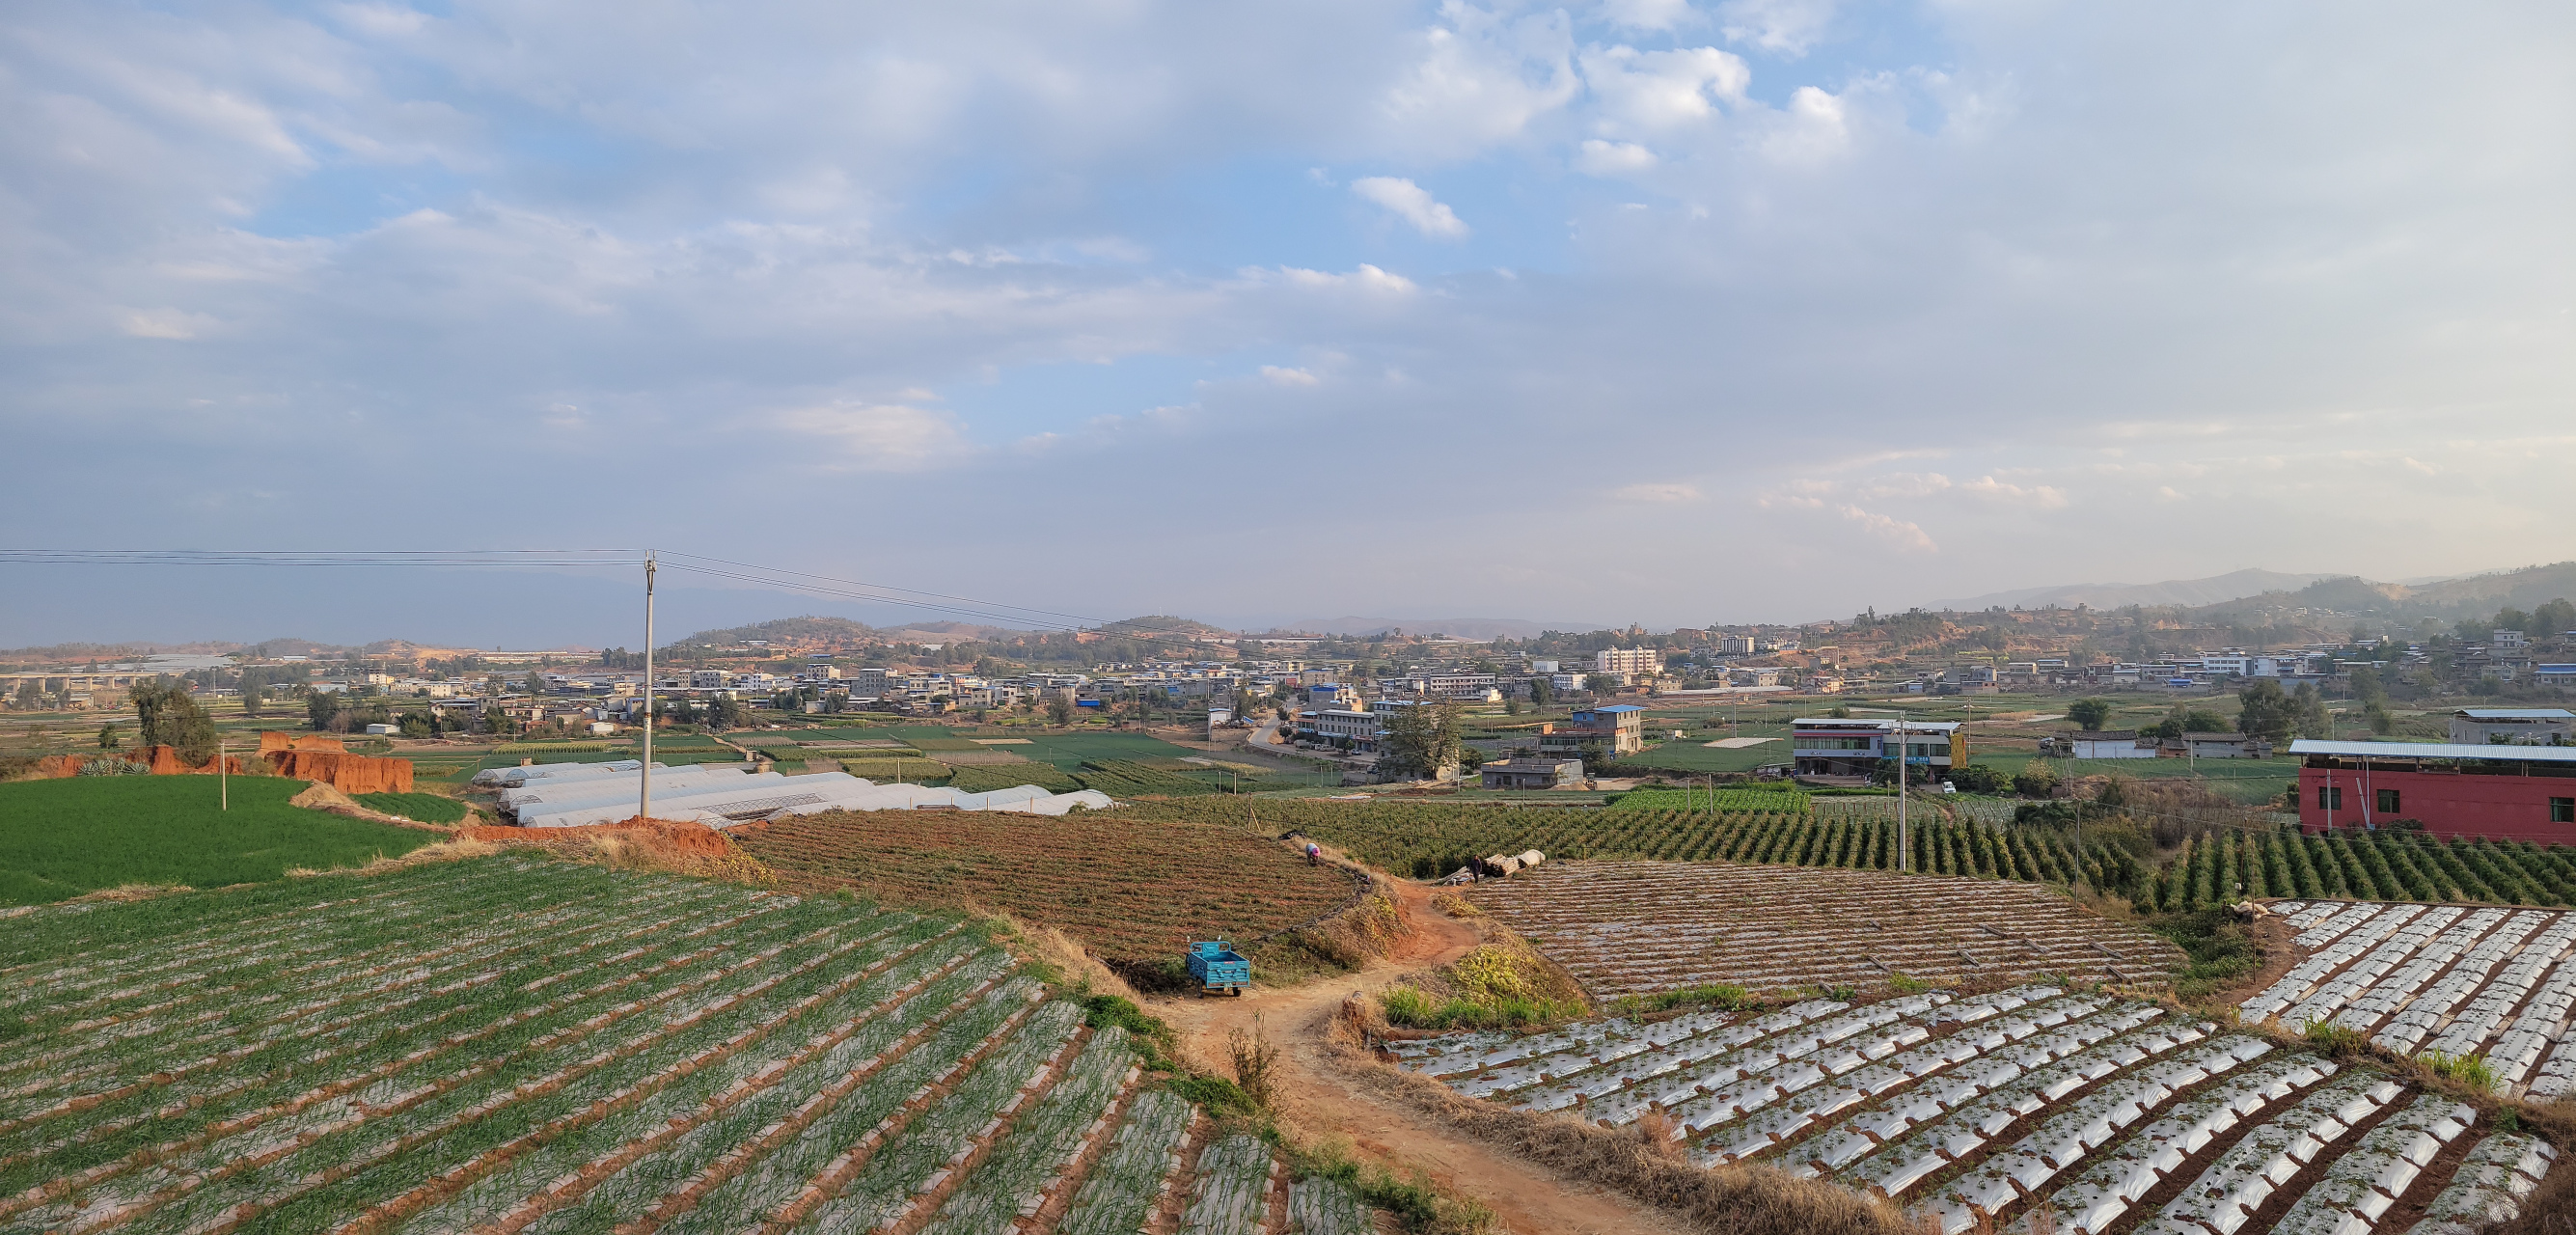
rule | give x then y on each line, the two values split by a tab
1319	1101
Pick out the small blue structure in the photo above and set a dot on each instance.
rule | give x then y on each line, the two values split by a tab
1216	968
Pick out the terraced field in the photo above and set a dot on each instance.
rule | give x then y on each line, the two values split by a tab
517	1044
2099	1113
1637	927
2444	980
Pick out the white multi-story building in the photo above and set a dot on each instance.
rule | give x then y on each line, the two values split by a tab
1360	729
1646	661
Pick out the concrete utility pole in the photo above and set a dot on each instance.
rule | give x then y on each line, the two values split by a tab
644	801
1904	842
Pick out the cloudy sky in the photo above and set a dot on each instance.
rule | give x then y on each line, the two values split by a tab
1643	310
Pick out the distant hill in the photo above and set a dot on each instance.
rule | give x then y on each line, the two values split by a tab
1455	627
2188	592
2472	596
1162	624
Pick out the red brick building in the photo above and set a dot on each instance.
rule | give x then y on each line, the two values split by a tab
2497	792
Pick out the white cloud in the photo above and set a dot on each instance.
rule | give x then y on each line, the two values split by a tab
166	324
1907	484
1367	278
1648	14
2006	241
1660	493
1601	158
1814	129
875	437
1894	531
1412	203
1480	79
1781	27
2043	497
1287	377
1657	90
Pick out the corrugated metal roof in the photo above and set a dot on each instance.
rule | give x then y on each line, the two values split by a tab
1888	726
2434	750
2517	713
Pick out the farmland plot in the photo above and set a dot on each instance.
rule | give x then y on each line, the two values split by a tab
1431	839
1131	887
516	1044
2452	980
1636	927
2091	1112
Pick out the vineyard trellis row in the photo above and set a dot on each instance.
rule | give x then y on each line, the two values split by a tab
2229	866
1427	840
1430	839
516	1043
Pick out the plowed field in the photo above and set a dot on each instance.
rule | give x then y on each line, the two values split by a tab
1635	927
1133	888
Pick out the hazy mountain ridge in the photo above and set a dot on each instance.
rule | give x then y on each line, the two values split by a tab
1454	627
2215	589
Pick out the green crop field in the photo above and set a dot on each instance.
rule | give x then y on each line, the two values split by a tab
1430	839
513	1043
61	838
2230	866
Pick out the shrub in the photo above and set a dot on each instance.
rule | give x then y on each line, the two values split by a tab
2470	1070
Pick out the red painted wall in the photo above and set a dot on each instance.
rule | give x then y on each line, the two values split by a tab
2451	805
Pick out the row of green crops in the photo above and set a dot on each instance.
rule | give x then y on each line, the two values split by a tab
1783	801
1124	778
1432	839
2225	867
971	778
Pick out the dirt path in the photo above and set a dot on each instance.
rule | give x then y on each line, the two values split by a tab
1319	1101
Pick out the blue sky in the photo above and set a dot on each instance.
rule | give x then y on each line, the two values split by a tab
1648	310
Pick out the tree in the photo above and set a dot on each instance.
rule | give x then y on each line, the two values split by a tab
2367	689
250	689
2268	714
2182	720
1059	709
724	712
107	739
2550	620
1541	691
30	695
2089	713
171	718
2311	705
536	685
1421	740
319	708
2034	780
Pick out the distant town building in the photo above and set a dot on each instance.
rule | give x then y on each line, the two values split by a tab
2097	744
1532	773
1641	661
2521	726
1842	746
1619	728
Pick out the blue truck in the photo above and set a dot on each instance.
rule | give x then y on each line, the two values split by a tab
1216	968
